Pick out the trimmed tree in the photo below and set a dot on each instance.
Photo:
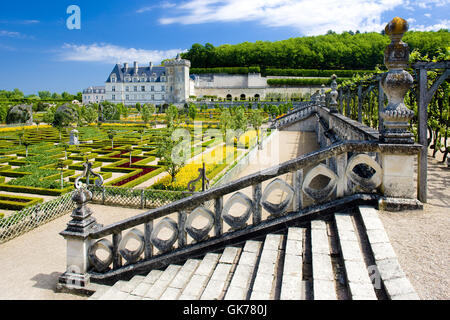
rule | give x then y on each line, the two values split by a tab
256	119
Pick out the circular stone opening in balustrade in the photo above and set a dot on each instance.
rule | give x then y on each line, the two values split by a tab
133	244
364	171
319	182
102	253
165	233
237	209
200	222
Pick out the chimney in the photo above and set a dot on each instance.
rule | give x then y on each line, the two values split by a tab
125	65
136	67
150	65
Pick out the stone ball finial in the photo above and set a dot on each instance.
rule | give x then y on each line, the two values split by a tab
396	55
396	26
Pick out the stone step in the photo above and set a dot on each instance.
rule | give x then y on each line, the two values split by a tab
114	294
100	291
180	281
292	279
200	278
388	269
160	285
324	287
242	277
266	274
358	280
220	279
326	261
146	283
129	286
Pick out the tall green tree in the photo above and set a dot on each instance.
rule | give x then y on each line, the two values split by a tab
165	152
171	115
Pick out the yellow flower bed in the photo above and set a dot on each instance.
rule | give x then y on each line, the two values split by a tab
188	173
11	129
220	155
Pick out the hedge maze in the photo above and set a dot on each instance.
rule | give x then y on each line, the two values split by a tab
34	161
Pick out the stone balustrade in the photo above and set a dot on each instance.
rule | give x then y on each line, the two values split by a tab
356	164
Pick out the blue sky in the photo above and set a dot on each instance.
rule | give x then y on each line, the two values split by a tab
38	51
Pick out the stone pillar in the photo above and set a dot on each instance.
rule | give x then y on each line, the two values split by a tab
396	82
76	235
398	170
398	176
333	94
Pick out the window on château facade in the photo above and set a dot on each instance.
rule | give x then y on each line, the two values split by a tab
127	97
114	97
135	88
163	88
143	88
153	97
127	88
113	89
152	88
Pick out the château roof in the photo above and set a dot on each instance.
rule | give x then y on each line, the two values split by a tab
148	72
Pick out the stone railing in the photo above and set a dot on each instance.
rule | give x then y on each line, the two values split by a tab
355	163
352	168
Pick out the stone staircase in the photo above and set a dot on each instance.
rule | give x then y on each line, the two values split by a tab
347	256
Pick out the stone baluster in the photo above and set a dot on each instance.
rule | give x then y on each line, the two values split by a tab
256	203
333	94
322	96
398	169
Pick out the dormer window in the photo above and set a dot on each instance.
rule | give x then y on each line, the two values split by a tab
127	79
163	78
135	79
113	78
143	79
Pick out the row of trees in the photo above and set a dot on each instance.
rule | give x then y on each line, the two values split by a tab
235	119
330	51
17	94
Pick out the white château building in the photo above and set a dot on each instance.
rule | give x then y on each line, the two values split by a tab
147	84
173	84
94	95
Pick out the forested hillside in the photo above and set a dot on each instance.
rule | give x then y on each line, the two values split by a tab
330	51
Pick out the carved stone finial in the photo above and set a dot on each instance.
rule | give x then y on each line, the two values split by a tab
333	94
396	82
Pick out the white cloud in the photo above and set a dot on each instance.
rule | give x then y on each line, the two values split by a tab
428	15
309	17
163	5
11	34
108	53
26	22
442	24
306	16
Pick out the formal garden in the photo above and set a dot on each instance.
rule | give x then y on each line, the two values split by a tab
132	151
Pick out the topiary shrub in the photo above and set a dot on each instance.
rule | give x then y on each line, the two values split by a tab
19	114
